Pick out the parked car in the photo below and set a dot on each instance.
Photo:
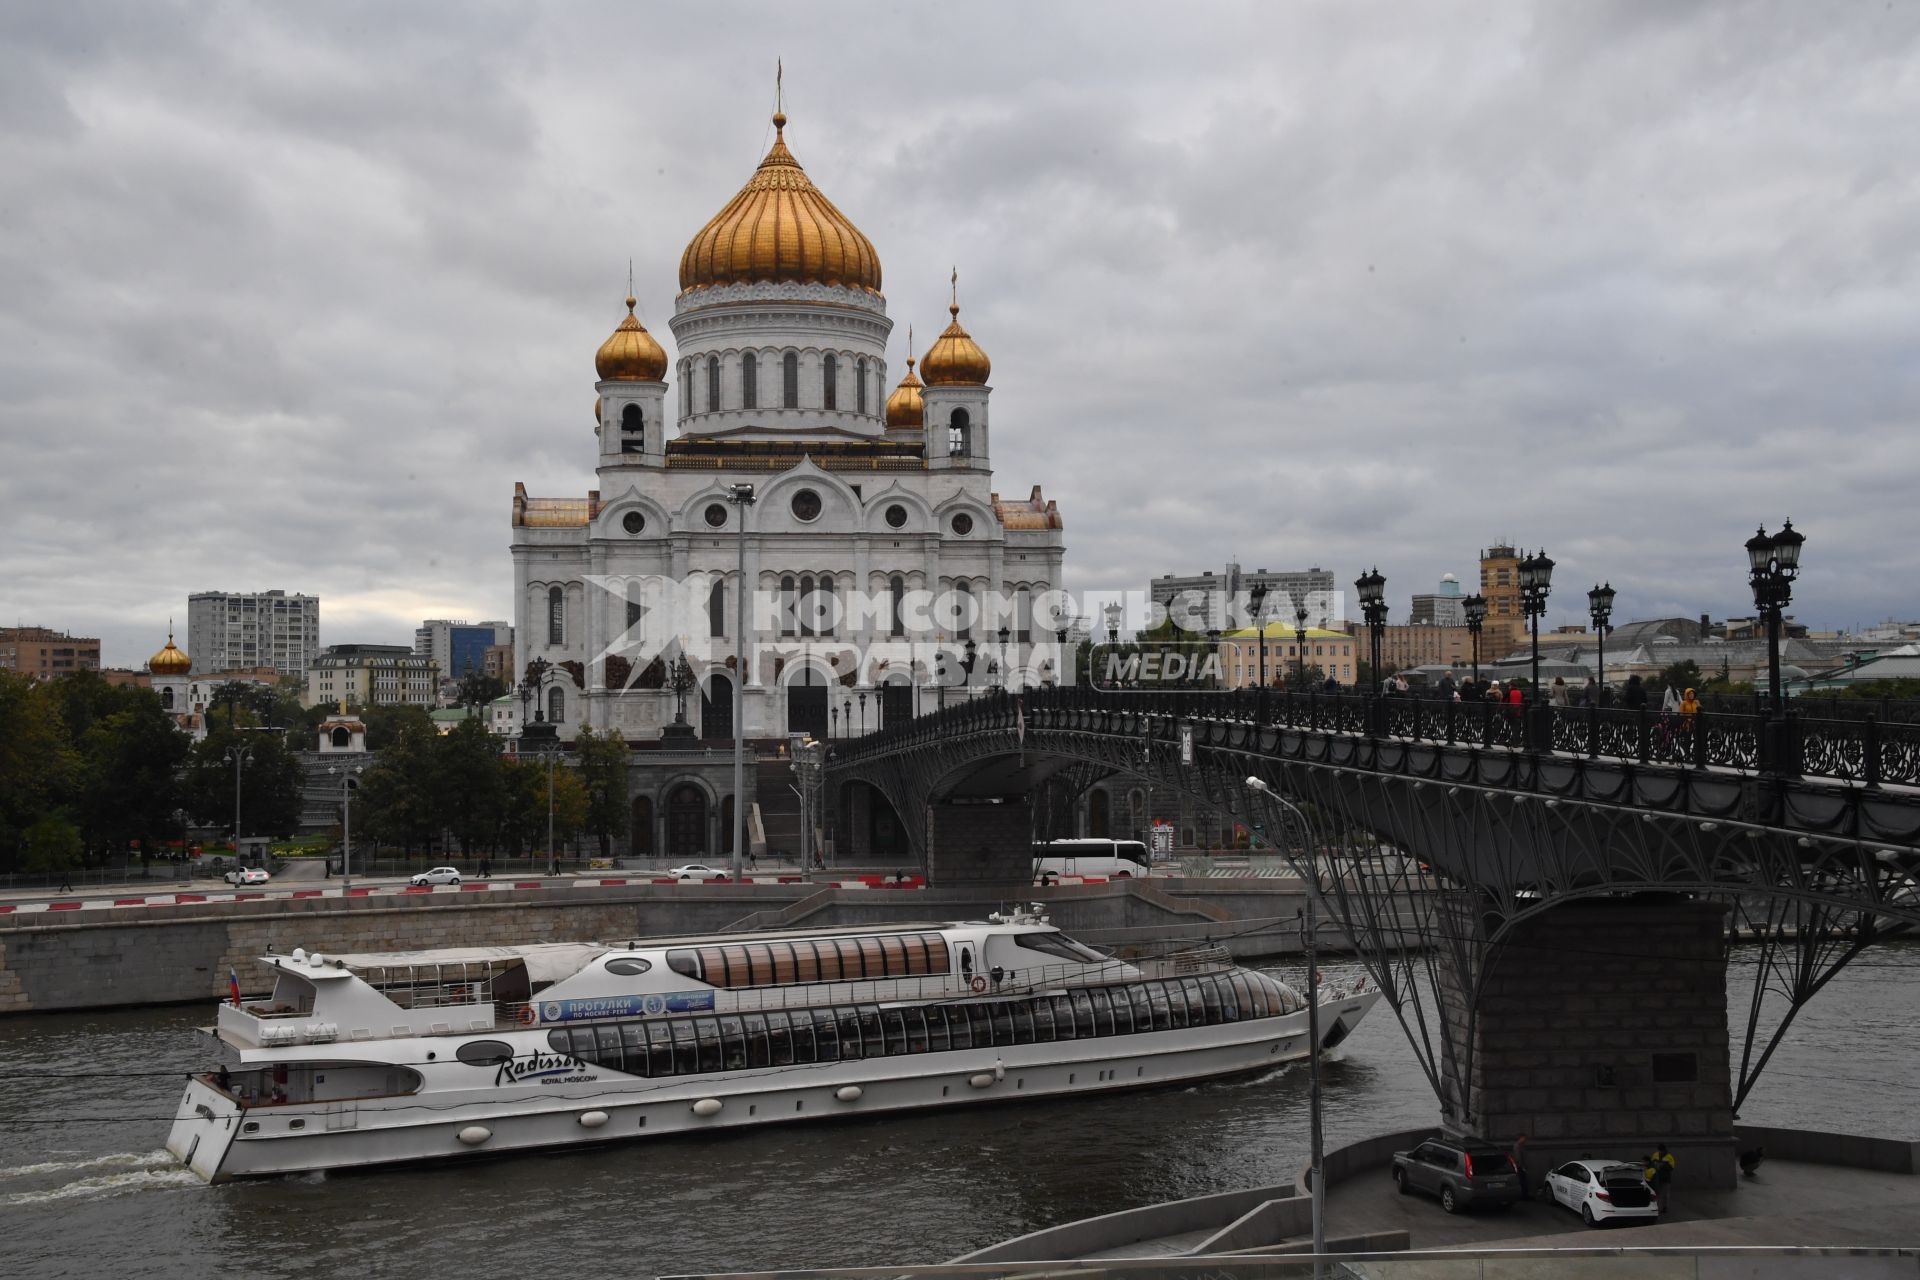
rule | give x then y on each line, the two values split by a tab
249	875
439	875
695	871
1602	1190
1462	1172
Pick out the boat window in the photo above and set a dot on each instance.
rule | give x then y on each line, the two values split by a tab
1258	984
1059	946
1042	1019
939	958
1122	1011
733	1051
1102	1012
1142	1008
710	1049
1162	1014
484	1053
1082	1013
610	1055
826	1035
784	968
558	1042
1197	1003
1177	999
915	947
850	1046
896	1027
872	957
756	1029
779	1040
1242	994
1022	1022
686	1058
633	1042
850	966
893	957
806	963
959	1026
1063	1028
982	1025
759	964
803	1050
872	1040
1002	1024
660	1048
937	1041
916	1030
627	966
685	963
735	959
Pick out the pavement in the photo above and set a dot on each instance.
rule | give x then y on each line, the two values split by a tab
1784	1203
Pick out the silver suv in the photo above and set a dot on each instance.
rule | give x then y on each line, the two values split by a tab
1463	1172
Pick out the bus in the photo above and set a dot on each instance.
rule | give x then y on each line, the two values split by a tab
1095	859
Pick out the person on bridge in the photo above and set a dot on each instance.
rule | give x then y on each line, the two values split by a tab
1557	695
1634	697
1689	708
1663	1166
1448	692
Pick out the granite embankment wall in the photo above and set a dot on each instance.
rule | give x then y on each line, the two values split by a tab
171	954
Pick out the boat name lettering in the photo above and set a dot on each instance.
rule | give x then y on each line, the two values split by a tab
538	1066
626	1006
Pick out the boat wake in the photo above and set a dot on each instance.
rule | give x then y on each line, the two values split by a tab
121	1172
121	1159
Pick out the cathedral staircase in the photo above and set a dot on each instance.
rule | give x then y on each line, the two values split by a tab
779	807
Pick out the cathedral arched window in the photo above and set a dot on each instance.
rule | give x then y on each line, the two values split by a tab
790	380
556	616
634	611
860	385
962	611
749	381
806	604
789	601
556	704
166	699
717	609
631	419
823	612
897	604
713	384
960	434
830	381
686	387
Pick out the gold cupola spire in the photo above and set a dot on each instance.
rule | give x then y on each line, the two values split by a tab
780	228
906	410
631	354
169	661
955	359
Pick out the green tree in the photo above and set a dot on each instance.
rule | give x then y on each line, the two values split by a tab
271	782
478	690
395	803
39	765
570	805
466	782
52	844
387	725
603	770
522	815
1678	676
129	766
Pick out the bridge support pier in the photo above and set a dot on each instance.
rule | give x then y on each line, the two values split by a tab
1602	1030
980	841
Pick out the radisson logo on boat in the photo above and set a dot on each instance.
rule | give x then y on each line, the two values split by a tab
541	1066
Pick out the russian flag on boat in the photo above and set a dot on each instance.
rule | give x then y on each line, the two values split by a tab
233	985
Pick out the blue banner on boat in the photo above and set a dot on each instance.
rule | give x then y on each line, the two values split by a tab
625	1006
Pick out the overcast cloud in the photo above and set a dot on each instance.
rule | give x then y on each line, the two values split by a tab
290	296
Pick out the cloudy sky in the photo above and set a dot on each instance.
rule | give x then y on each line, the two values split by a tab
290	295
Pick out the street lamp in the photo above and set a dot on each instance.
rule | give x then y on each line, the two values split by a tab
348	785
1475	608
1006	634
1372	589
968	657
1257	597
1300	643
1213	647
1536	583
863	713
1600	609
741	496
237	756
1773	563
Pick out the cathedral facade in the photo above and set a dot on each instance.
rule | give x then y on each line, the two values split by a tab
882	571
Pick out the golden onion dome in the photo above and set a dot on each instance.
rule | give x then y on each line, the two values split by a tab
906	410
955	359
169	661
780	228
631	354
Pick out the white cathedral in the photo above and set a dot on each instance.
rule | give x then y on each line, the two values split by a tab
859	495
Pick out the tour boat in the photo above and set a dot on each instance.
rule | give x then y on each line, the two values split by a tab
363	1060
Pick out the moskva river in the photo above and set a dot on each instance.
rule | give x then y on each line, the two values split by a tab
86	1189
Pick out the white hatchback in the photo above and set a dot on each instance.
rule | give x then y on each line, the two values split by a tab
1602	1190
439	875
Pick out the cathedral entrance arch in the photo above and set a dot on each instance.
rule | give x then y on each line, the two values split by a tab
716	707
1099	814
896	703
640	830
687	822
807	704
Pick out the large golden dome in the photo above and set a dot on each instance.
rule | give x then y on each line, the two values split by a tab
169	661
630	354
780	228
955	359
906	411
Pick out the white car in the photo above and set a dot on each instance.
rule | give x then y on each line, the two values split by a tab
439	875
1601	1190
695	871
248	875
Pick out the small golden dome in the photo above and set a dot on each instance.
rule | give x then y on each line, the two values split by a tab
955	359
780	227
169	661
906	411
631	354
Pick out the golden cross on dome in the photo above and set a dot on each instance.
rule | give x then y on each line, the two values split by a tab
779	73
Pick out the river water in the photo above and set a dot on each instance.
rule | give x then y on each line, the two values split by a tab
86	1189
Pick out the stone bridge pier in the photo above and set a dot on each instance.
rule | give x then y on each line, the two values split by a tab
980	840
1601	1029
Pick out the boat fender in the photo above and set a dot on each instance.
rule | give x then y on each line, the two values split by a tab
592	1119
474	1134
848	1093
707	1107
979	983
999	1071
981	1079
528	1015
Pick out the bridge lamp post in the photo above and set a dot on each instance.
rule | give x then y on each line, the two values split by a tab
1257	597
1300	644
1213	647
1600	609
1536	583
237	757
1774	562
1372	588
1006	672
741	496
1476	611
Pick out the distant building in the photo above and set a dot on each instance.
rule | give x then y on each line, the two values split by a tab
41	653
371	675
1425	645
1446	607
1206	601
498	663
458	648
1334	652
1506	623
230	631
